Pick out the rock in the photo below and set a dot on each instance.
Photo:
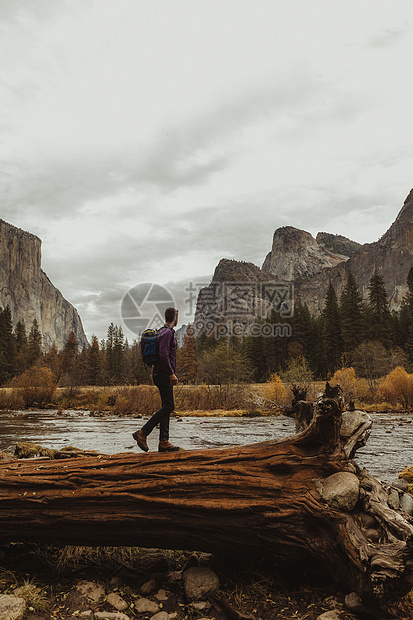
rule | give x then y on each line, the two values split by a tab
368	521
109	615
144	605
161	595
351	421
90	590
330	615
393	499
341	490
199	583
400	484
148	587
161	615
12	607
28	292
201	606
353	603
116	582
116	601
296	253
373	535
406	503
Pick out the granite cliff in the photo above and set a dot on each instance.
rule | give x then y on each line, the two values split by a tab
391	255
295	254
311	264
27	290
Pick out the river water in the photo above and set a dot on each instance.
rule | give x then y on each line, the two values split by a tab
389	449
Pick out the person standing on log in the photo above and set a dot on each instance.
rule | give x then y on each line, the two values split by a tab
164	378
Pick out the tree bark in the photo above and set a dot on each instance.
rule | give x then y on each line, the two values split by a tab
261	501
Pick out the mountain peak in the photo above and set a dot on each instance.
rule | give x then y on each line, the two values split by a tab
296	254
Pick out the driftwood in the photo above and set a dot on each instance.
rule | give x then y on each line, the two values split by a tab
266	501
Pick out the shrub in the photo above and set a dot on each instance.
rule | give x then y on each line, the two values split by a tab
138	399
298	373
36	386
275	391
207	398
398	387
10	400
346	378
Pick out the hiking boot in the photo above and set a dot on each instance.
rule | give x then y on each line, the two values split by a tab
140	438
165	446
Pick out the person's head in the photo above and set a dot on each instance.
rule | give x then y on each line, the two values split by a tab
171	316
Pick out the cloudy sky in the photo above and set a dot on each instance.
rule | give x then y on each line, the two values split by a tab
143	141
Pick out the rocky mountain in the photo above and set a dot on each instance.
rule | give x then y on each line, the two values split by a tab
308	265
338	244
295	254
27	290
391	255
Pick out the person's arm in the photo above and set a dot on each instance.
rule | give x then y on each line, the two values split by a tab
164	344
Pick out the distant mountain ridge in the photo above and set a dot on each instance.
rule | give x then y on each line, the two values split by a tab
29	293
311	264
391	255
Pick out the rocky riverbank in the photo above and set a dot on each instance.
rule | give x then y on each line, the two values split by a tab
40	583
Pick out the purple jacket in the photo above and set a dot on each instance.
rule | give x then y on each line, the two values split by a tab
166	351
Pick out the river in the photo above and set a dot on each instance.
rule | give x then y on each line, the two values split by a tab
389	449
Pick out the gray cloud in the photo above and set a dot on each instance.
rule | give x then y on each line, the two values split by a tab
388	37
61	181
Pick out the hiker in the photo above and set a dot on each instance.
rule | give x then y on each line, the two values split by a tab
164	378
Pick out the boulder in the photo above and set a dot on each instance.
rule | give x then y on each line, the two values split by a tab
90	590
148	587
161	615
330	615
341	490
12	607
116	601
351	421
353	603
199	583
406	503
144	605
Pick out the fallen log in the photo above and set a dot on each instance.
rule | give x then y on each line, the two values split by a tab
294	502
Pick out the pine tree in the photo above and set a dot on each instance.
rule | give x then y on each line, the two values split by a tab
70	360
380	324
331	332
187	365
303	332
34	345
406	317
53	360
351	314
20	338
93	362
118	355
7	346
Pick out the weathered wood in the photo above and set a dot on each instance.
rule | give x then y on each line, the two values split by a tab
260	500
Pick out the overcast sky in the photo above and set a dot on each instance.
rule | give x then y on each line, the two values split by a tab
144	140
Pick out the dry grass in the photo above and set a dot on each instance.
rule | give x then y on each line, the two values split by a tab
236	400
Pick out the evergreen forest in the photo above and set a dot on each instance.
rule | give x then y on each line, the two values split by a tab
349	332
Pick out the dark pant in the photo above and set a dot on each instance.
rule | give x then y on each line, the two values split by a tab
163	414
